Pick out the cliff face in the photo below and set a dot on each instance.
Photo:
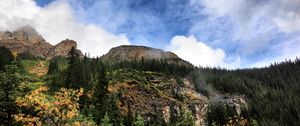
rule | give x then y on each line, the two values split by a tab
155	95
63	48
132	52
128	52
27	40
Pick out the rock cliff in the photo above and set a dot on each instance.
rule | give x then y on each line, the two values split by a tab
133	52
28	40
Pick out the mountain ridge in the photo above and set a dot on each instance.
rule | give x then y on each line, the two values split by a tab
27	40
138	52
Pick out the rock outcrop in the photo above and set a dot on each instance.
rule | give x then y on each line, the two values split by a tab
132	52
155	94
28	40
128	52
63	48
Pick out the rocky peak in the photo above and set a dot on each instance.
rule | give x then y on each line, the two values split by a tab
129	52
27	39
132	52
67	43
27	35
63	48
6	35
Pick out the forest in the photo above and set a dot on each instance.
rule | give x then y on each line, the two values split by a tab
75	92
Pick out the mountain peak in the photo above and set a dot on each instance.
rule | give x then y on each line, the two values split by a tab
136	52
28	35
63	48
28	29
27	40
131	52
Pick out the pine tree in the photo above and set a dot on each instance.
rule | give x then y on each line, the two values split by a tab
128	120
6	57
53	67
113	109
106	121
187	119
74	77
100	94
139	121
9	83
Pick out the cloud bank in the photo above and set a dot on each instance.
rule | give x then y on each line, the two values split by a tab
251	29
56	22
198	53
285	14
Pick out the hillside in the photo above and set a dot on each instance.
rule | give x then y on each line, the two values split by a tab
137	84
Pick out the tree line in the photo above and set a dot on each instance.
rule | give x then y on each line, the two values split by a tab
272	92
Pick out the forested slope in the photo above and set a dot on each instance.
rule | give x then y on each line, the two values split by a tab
143	91
272	92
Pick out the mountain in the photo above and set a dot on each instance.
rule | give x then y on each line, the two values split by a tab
138	81
134	52
27	40
63	48
144	80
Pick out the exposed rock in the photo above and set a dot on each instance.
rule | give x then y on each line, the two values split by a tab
132	52
6	35
63	48
200	113
166	114
236	101
147	97
27	40
28	35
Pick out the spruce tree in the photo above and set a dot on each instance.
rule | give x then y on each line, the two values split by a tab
128	119
100	93
106	121
74	77
9	83
53	67
6	57
139	121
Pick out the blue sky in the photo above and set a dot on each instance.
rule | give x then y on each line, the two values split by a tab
235	34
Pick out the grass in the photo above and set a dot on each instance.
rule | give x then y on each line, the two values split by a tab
27	64
30	65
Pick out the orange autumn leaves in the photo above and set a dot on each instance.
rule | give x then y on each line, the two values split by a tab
58	109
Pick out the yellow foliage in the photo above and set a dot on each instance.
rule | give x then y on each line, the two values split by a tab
237	121
14	54
58	109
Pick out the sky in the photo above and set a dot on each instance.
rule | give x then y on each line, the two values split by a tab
216	33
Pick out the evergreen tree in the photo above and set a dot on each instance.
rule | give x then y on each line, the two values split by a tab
6	57
53	67
187	119
9	83
139	121
113	109
74	77
106	121
100	93
129	120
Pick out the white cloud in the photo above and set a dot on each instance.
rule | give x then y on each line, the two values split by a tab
285	14
257	28
57	22
198	53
